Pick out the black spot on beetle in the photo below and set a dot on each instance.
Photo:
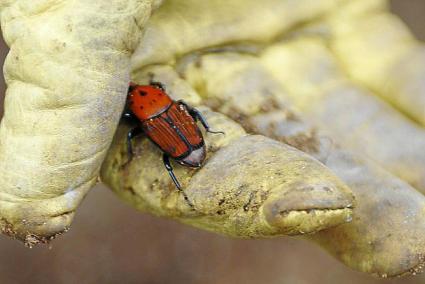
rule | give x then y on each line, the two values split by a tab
141	107
143	93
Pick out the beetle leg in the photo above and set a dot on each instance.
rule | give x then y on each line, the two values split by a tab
197	115
130	135
169	168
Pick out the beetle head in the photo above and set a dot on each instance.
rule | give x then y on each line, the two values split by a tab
131	87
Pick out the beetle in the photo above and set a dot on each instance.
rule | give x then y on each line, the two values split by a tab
171	125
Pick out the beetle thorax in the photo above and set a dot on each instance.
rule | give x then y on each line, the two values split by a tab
147	101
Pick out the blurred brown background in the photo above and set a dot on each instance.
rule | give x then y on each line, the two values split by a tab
112	243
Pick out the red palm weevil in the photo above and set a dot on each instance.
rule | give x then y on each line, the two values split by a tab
170	125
